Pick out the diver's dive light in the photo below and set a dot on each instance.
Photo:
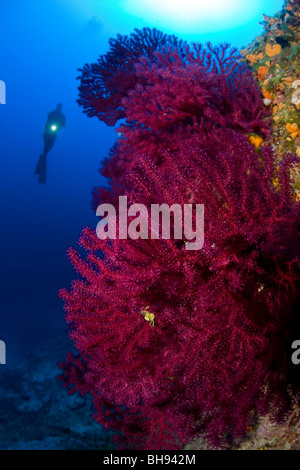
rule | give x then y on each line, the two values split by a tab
54	127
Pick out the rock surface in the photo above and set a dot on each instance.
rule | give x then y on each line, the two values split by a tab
36	411
274	59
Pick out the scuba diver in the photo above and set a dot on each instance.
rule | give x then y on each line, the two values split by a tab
56	120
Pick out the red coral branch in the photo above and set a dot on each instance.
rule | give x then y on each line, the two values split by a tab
219	350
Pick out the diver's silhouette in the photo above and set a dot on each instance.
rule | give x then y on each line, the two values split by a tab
56	120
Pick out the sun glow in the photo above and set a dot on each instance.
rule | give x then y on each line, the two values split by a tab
194	15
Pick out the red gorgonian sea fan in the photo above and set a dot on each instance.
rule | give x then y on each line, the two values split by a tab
207	89
105	83
216	351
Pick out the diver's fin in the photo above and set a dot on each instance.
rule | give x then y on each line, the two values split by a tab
41	168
